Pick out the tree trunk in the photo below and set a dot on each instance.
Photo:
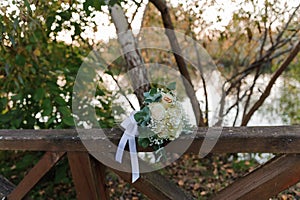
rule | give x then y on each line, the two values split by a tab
135	64
165	14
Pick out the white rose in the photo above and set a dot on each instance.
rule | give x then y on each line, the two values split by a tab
175	114
157	111
163	134
176	133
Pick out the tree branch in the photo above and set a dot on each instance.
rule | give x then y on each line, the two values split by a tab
165	14
257	74
267	91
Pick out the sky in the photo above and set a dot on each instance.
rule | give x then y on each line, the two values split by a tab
106	29
224	8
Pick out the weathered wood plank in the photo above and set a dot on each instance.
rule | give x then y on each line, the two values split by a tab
86	179
279	139
48	160
266	181
155	186
99	170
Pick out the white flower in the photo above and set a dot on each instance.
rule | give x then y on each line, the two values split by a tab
163	134
176	133
175	114
157	111
166	118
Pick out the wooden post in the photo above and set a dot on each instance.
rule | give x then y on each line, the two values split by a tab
88	181
99	170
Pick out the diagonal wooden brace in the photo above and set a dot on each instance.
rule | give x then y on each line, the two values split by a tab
35	174
266	181
154	185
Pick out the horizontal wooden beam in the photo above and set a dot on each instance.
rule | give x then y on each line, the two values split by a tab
266	181
272	139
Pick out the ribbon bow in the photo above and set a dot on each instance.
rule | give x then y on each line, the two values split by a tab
131	130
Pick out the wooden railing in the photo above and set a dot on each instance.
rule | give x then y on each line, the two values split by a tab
89	174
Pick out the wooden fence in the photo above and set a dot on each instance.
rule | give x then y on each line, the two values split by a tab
88	173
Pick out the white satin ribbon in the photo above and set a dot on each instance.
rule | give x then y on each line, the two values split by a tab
131	130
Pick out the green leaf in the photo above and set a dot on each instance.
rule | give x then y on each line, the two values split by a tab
86	6
145	132
49	22
64	110
25	161
66	15
143	142
20	60
172	86
12	40
60	101
98	4
39	94
3	103
6	118
77	29
47	107
17	97
152	96
113	2
30	121
60	173
16	122
50	121
146	94
68	121
20	79
28	6
139	116
142	117
153	91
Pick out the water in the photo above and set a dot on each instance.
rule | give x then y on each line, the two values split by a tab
272	113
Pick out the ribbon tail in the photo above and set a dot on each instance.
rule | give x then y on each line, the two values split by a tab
135	176
134	160
121	147
131	130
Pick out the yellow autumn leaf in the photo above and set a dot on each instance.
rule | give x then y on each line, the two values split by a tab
37	52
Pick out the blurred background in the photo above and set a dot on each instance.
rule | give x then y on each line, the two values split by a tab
44	43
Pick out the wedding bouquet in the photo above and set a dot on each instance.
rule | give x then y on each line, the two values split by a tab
161	119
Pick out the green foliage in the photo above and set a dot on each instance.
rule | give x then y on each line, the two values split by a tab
290	103
97	4
143	116
37	74
171	86
143	142
152	96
